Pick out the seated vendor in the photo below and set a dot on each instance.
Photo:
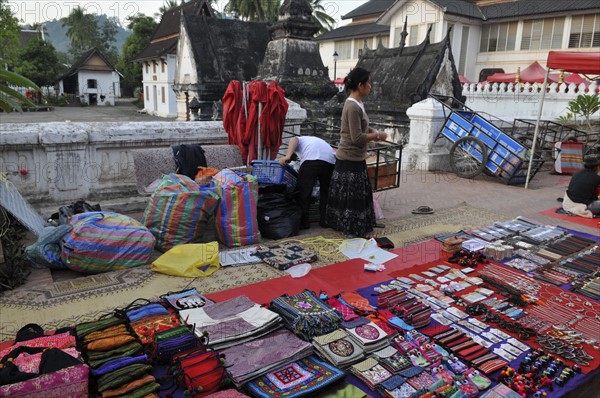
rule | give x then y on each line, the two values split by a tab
582	197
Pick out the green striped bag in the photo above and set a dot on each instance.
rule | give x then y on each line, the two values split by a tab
178	211
105	241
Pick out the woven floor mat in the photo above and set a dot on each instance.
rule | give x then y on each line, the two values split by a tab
65	298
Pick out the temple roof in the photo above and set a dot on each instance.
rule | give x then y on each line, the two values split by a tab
524	8
81	62
402	76
354	31
372	7
228	50
165	37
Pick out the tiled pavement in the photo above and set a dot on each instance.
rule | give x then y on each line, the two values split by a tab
445	189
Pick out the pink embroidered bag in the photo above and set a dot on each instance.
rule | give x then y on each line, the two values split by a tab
68	382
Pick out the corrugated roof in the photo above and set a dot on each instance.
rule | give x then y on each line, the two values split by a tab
522	8
169	23
155	50
358	30
463	8
29	35
166	34
372	7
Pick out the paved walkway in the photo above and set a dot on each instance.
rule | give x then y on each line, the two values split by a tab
124	110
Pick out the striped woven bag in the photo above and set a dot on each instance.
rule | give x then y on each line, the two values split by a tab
105	241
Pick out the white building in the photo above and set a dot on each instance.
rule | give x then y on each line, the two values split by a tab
92	79
487	35
159	59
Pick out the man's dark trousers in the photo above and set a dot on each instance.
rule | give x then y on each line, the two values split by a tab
310	172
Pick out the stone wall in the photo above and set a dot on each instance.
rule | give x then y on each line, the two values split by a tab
58	163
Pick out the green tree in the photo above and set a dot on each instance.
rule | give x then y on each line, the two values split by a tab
268	11
167	5
586	106
10	98
142	28
254	10
85	33
324	20
81	29
9	35
106	40
39	63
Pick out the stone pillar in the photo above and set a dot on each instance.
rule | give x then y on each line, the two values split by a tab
67	160
422	153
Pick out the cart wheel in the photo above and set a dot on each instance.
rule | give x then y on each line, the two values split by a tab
468	157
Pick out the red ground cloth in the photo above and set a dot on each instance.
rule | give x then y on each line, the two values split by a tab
588	222
345	276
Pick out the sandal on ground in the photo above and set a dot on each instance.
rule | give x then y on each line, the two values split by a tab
423	210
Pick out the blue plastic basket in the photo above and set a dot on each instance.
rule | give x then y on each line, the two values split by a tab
271	172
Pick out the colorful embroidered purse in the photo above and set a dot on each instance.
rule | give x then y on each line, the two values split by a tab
199	372
173	341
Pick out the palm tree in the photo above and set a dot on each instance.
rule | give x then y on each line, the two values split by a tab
324	20
82	30
251	10
9	98
167	5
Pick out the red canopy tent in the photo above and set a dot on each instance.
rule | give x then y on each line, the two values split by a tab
576	78
586	63
534	73
463	79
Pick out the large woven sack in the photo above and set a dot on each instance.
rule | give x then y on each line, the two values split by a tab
105	241
236	214
178	211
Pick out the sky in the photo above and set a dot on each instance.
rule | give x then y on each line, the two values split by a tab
37	11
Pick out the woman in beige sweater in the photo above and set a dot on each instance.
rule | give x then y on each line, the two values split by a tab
350	206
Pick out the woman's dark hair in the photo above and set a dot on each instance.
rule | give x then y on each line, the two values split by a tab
354	77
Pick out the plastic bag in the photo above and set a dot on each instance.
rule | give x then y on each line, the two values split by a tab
300	270
45	252
278	214
190	260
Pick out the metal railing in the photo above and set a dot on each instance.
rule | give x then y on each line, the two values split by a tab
383	162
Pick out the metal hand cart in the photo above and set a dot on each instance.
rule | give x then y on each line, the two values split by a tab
478	145
551	132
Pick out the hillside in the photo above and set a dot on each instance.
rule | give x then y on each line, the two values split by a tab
57	35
